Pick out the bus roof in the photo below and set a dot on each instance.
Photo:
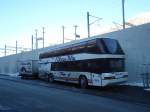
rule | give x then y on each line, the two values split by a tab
73	42
77	45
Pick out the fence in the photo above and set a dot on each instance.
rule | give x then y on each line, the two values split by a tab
146	75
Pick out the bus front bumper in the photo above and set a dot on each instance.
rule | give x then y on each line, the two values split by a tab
106	82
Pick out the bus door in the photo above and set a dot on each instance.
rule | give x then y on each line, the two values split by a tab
96	79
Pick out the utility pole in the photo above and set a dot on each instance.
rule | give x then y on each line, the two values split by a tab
63	34
123	14
88	24
32	42
5	50
75	31
36	38
16	47
43	35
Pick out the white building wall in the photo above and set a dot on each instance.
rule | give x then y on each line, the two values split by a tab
135	42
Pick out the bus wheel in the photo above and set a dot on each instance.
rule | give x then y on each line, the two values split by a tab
83	82
51	78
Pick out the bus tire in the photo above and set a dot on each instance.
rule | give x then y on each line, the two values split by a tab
51	78
83	83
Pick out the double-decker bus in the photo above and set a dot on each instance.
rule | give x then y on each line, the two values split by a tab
91	61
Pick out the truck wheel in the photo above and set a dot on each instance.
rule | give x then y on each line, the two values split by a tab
51	78
23	76
83	82
23	70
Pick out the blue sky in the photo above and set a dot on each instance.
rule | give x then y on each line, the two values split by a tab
20	18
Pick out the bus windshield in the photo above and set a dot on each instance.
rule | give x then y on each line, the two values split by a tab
116	65
109	46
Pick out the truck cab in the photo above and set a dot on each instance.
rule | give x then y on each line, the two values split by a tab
28	68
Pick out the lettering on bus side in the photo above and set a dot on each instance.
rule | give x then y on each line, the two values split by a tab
71	58
67	58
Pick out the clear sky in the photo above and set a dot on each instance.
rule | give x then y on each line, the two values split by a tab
20	18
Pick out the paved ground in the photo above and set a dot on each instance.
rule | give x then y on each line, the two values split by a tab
124	93
35	96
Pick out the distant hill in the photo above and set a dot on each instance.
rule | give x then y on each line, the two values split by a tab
141	18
